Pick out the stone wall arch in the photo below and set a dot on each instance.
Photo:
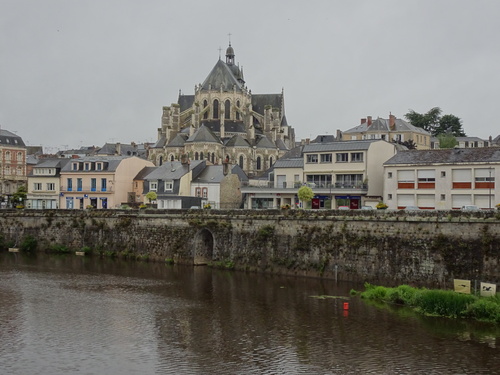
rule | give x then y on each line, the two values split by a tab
203	247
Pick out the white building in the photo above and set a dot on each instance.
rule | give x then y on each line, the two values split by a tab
443	179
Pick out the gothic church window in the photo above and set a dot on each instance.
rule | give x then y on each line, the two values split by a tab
227	109
201	155
241	163
259	163
196	156
216	109
213	157
237	111
205	104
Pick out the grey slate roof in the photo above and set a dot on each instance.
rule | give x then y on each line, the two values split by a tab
221	75
144	172
230	126
295	152
328	138
178	141
382	124
203	135
264	142
185	102
172	170
110	163
237	141
160	142
339	146
289	163
112	149
446	156
281	145
8	138
259	102
214	174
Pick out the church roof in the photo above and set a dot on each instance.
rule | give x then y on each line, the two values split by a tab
265	142
203	135
230	126
178	140
221	75
259	102
237	141
185	101
160	142
281	145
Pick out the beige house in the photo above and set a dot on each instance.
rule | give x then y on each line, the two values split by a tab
12	164
99	182
347	173
391	130
443	179
44	184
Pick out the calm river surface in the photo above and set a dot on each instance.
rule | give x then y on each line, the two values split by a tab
76	315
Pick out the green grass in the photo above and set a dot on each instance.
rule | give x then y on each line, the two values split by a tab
436	302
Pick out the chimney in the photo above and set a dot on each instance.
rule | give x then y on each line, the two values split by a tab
339	135
392	122
185	159
118	148
308	141
369	120
363	121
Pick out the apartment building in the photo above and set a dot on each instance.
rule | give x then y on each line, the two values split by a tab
443	179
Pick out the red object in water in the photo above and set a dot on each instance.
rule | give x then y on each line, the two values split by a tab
346	305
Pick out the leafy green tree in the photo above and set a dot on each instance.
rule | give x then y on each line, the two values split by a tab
151	196
434	123
450	124
305	193
447	140
20	195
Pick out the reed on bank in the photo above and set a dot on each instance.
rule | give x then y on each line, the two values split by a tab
435	302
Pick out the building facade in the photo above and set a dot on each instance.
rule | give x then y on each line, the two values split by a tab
225	121
44	185
12	165
392	130
443	179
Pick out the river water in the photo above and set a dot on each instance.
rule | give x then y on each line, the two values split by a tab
86	315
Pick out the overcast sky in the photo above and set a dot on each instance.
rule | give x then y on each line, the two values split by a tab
87	72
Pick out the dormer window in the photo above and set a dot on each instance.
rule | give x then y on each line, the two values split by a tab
87	166
98	166
74	166
153	185
169	186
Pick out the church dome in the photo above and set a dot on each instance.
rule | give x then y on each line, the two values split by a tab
229	51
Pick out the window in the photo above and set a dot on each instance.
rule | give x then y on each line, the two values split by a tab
443	174
216	109
98	166
69	181
201	155
241	163
7	155
426	179
37	186
259	163
87	166
196	156
271	161
227	109
443	197
205	114
153	185
356	157
237	111
204	192
389	197
319	180
51	186
197	192
312	158
103	184
349	181
169	186
389	174
19	156
93	184
79	184
74	166
326	158
342	157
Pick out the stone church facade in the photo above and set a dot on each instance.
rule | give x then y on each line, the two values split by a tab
224	122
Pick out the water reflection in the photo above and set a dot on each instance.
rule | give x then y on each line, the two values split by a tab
70	314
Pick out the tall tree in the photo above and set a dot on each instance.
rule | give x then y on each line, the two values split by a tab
447	140
434	123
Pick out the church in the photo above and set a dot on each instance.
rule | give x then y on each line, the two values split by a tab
223	122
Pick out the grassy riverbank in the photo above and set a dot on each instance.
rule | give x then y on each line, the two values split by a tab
438	302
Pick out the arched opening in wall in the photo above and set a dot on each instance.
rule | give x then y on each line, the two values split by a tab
271	161
213	158
227	109
259	163
196	156
205	114
241	162
172	157
160	161
237	111
201	155
203	247
216	109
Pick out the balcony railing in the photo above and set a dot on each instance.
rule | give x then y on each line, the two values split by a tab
294	185
85	189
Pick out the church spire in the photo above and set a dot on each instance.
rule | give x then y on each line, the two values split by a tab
230	53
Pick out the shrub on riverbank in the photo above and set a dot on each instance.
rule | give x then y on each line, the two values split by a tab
438	302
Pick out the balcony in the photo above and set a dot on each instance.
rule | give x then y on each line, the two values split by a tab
85	189
293	186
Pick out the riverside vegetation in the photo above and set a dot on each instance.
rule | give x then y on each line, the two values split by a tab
434	302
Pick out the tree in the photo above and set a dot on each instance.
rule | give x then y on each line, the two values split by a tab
434	123
20	195
305	193
409	144
151	196
447	140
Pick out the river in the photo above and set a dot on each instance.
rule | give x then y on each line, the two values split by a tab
87	315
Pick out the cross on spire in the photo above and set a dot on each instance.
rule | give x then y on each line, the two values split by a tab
220	49
229	35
